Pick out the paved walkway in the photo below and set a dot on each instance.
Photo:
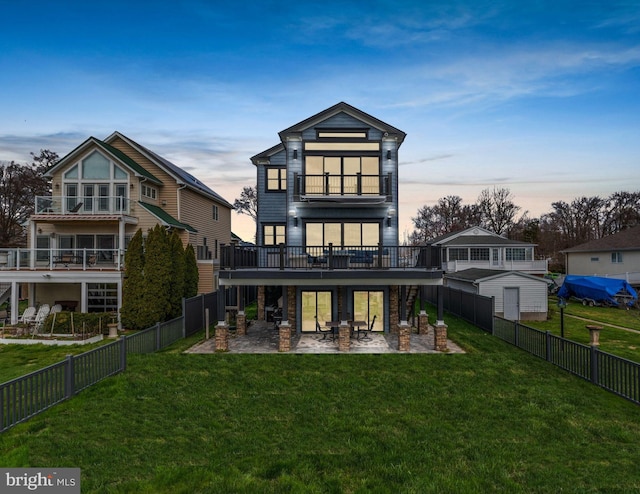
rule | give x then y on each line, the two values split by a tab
262	337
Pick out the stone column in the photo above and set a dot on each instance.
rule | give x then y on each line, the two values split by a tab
404	337
344	337
440	336
261	303
241	323
291	304
284	337
423	322
222	337
594	332
394	315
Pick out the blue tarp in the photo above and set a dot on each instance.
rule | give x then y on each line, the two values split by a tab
599	289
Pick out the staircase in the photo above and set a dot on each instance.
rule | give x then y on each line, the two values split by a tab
412	294
5	292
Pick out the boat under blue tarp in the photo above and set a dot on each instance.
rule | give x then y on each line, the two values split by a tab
601	290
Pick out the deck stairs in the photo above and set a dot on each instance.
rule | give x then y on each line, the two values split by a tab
5	292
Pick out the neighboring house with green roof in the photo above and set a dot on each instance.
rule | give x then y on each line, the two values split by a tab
613	256
102	192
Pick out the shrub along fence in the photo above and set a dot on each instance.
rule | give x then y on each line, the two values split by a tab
613	373
28	395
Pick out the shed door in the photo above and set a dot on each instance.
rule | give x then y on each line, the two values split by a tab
512	303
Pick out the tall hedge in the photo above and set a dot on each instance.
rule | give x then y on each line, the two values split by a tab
134	283
178	264
157	274
191	275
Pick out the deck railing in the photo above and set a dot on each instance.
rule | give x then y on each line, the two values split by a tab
54	258
326	257
342	185
82	205
539	266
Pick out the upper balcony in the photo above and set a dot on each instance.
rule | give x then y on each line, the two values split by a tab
529	267
57	259
351	189
74	205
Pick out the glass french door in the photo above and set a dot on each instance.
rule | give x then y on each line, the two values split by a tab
316	305
369	306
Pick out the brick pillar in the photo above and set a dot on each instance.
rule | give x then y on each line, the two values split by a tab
284	337
423	322
222	337
404	337
261	303
344	337
291	304
440	331
241	323
394	315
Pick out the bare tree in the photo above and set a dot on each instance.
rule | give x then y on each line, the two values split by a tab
19	185
446	216
497	209
247	203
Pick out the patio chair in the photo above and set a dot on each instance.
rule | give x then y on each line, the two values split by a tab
28	315
56	308
366	330
326	331
38	322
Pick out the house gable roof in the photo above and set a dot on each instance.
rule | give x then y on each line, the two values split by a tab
116	154
477	275
181	176
343	107
475	236
628	239
264	156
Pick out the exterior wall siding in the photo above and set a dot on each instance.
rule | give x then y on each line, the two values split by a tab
580	263
533	294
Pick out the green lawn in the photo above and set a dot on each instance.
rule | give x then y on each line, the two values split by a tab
494	419
612	340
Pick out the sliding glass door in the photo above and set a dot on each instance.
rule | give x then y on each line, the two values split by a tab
316	305
369	306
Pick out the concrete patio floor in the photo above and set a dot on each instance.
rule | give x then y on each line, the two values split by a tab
262	337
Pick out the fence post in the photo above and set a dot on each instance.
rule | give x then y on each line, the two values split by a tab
123	353
548	346
516	336
184	318
157	336
69	388
594	365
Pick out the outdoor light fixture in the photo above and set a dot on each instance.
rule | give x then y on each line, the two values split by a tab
390	214
293	214
295	154
388	154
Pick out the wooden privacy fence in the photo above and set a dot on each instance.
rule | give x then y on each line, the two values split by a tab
613	373
28	395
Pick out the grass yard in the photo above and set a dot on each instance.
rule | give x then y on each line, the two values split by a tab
493	420
612	340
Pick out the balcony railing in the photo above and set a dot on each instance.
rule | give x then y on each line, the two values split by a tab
534	266
50	259
326	257
342	185
82	205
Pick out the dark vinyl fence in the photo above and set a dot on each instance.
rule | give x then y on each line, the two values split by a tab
613	373
476	309
28	395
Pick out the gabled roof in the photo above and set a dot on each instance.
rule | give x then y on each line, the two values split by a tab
479	236
476	275
116	154
165	218
265	155
343	107
180	175
628	239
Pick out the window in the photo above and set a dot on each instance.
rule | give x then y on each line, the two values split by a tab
348	134
43	243
595	259
458	254
616	257
519	254
150	192
102	297
367	306
277	179
215	213
342	234
316	306
479	254
273	234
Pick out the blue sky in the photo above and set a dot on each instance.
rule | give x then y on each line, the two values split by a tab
540	97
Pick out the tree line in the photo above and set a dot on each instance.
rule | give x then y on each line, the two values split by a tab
159	272
567	224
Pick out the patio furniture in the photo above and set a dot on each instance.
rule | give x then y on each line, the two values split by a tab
328	330
367	329
28	315
43	313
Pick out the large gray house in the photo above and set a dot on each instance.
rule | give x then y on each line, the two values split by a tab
327	246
